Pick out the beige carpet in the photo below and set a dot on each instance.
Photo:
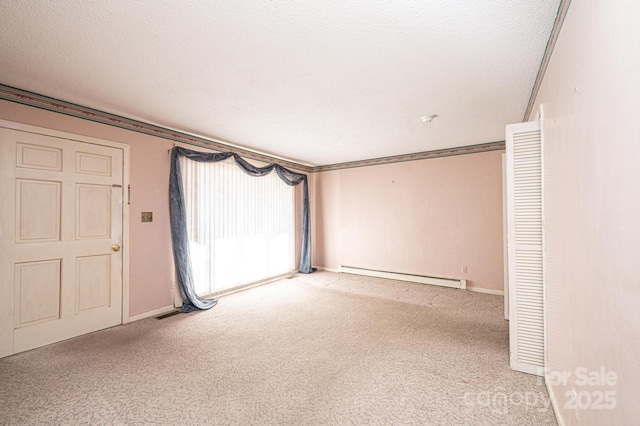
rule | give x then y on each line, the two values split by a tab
317	349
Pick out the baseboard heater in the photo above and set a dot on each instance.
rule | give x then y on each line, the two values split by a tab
421	279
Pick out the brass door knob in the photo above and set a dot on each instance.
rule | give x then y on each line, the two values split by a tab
115	247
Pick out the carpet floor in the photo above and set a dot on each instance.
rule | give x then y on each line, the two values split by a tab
318	349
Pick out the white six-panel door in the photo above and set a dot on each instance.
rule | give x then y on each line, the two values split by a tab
61	219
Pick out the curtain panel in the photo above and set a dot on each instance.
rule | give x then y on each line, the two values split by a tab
178	218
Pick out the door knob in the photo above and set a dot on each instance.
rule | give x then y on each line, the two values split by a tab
115	247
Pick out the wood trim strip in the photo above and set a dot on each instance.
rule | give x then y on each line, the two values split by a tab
24	97
553	38
471	149
35	100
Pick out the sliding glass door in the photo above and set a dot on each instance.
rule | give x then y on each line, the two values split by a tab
241	228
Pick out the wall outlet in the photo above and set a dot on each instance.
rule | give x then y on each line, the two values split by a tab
463	269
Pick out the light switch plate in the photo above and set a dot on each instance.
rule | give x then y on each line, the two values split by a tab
147	217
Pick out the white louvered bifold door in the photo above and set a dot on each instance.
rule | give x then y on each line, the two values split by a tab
524	217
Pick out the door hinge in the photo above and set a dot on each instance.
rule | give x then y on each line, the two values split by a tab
128	194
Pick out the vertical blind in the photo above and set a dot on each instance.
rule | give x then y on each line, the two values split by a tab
240	228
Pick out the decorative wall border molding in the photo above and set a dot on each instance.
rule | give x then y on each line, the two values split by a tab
553	38
35	100
449	152
24	97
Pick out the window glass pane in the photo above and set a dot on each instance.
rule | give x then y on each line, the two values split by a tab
240	227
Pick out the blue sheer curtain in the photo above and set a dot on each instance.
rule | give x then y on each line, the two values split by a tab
178	218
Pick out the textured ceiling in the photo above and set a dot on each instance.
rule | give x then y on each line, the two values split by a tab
315	82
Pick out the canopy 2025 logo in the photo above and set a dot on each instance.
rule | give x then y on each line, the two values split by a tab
590	389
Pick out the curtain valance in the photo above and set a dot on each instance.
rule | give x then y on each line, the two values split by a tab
178	218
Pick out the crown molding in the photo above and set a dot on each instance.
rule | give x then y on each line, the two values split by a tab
425	155
551	44
36	100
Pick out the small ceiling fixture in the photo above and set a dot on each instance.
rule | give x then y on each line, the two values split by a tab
428	118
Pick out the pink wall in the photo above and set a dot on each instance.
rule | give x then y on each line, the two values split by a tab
591	100
428	217
151	270
151	259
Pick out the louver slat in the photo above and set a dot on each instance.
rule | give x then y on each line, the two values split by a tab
524	211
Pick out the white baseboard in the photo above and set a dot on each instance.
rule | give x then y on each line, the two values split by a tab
153	313
554	405
322	268
486	291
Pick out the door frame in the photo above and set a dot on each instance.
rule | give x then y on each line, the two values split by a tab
505	237
6	124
